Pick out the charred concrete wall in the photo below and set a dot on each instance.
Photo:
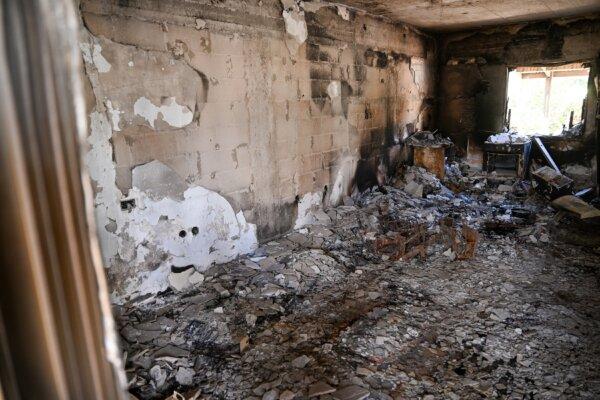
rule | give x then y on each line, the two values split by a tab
473	73
217	124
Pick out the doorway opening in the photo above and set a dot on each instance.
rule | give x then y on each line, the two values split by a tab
547	100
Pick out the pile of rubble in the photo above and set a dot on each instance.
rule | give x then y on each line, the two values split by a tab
428	139
431	295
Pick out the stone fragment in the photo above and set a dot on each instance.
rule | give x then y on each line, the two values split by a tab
244	342
272	394
251	320
171	351
320	388
353	392
185	376
287	395
300	362
196	278
414	189
179	281
158	375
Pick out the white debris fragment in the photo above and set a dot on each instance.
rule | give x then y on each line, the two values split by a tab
180	280
250	320
200	24
308	204
158	375
414	189
185	376
508	138
196	278
301	362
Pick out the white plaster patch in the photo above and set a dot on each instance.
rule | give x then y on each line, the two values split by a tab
295	25
214	233
145	109
175	114
307	204
115	115
200	230
102	170
343	12
334	89
343	180
92	54
172	113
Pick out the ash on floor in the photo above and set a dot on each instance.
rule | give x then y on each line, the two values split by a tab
325	312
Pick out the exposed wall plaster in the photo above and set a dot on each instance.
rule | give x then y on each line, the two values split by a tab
295	25
200	230
92	54
172	113
212	231
343	12
115	115
220	103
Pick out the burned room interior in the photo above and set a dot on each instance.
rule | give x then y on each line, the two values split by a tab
353	200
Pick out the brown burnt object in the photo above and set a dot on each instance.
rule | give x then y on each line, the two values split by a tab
403	241
462	240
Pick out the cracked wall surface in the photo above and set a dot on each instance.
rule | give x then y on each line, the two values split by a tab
245	109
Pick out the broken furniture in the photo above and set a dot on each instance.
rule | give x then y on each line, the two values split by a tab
551	182
429	152
463	241
547	157
403	241
576	206
507	156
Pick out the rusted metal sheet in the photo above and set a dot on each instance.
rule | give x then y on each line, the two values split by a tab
430	158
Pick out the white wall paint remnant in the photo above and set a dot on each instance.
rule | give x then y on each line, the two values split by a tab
306	206
343	179
101	167
172	113
343	12
334	89
295	25
213	232
145	109
92	54
201	230
176	115
115	115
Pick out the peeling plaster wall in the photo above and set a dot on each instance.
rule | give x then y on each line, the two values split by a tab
249	115
473	73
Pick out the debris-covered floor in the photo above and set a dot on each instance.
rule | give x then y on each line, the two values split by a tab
330	309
